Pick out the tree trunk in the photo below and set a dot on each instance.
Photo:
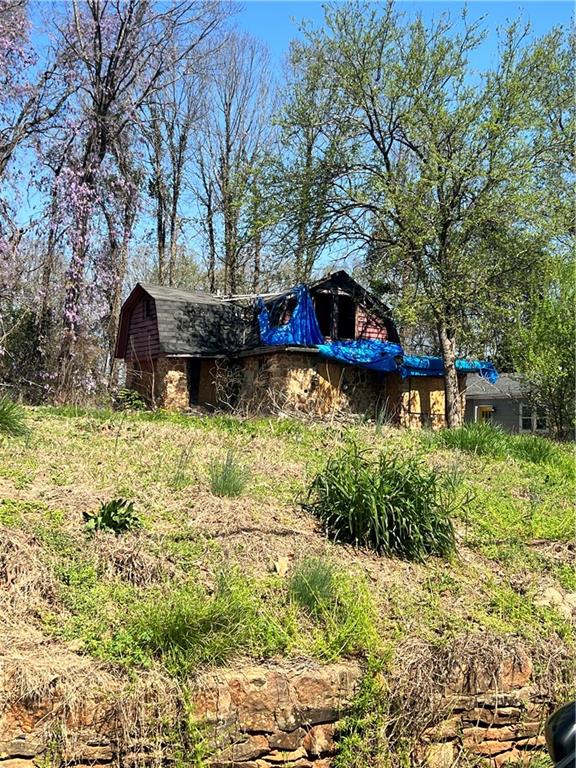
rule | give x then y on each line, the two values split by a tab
257	263
453	408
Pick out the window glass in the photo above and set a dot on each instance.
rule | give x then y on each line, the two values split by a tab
541	421
526	417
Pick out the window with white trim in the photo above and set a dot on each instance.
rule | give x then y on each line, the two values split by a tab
532	419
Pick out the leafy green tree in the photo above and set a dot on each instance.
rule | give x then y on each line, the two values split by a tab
307	165
444	171
543	347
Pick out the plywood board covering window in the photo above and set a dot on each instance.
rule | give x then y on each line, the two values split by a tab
323	307
346	317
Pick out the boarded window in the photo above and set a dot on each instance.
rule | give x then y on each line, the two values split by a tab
323	307
346	323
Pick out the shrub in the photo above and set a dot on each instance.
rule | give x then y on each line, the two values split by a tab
227	478
339	605
393	505
12	418
117	516
187	627
130	400
490	440
482	439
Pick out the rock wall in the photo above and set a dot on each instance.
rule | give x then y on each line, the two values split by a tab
271	715
171	383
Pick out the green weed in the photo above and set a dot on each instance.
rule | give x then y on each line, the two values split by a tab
181	477
116	515
393	505
362	739
187	627
13	421
13	510
339	604
491	440
227	478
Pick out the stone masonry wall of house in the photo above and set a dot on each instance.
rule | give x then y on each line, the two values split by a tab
260	716
171	383
308	384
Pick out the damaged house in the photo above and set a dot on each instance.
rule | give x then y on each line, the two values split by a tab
321	348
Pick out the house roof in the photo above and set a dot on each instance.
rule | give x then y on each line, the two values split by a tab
201	324
509	386
189	322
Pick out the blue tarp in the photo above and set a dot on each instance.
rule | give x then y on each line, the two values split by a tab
434	366
376	355
301	330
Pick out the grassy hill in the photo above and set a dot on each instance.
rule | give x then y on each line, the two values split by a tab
206	578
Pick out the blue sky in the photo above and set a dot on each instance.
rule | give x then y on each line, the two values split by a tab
276	22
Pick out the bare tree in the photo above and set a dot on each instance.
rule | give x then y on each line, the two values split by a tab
120	53
230	149
169	117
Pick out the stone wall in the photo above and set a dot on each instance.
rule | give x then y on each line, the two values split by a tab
261	716
171	383
307	383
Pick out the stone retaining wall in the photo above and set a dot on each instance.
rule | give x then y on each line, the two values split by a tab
279	715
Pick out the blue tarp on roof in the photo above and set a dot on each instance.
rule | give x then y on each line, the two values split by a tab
434	366
376	355
302	328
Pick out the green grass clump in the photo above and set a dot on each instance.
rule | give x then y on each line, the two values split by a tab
339	604
492	440
12	418
227	477
187	627
394	505
363	739
117	516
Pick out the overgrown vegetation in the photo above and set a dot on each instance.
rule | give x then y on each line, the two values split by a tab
156	598
362	738
489	440
227	476
340	604
188	627
116	516
12	418
394	505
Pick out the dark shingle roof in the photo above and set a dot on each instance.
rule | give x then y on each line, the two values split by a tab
509	385
195	323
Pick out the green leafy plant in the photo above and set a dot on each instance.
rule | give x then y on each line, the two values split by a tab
393	505
227	478
362	739
130	400
116	515
12	418
482	439
340	606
